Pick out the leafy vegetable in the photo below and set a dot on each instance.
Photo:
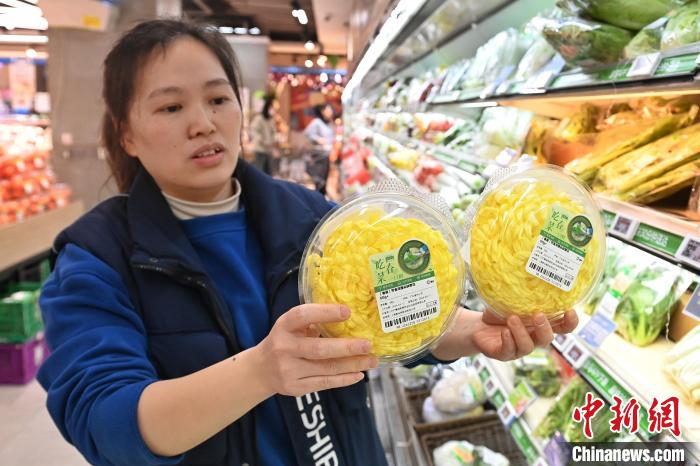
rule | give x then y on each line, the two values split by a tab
540	371
629	14
683	27
586	43
645	308
556	418
648	40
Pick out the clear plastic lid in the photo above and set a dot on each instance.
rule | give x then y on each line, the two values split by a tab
393	257
536	243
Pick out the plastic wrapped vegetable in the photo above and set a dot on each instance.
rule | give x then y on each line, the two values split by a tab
648	40
683	364
663	186
621	139
458	392
393	257
538	55
586	43
650	161
646	306
504	49
463	453
628	14
540	371
537	243
683	27
432	414
614	247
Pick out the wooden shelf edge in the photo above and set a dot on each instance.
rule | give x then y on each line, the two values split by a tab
34	236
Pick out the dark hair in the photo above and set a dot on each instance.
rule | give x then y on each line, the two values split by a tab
121	70
266	108
318	111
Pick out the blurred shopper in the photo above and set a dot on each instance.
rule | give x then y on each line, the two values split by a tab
263	136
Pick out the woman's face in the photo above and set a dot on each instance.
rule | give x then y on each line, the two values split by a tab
327	113
185	122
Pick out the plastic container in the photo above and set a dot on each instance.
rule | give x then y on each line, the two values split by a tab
536	243
20	362
20	318
396	247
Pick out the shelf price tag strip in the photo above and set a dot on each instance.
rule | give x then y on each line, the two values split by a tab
524	441
657	239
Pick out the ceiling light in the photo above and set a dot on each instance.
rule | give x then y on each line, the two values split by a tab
338	78
301	16
31	53
295	13
23	39
226	30
254	30
321	61
240	30
308	63
309	45
323	77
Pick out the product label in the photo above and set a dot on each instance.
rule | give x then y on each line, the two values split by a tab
658	239
557	257
405	286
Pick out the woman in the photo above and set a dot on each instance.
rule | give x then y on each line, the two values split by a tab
320	133
263	136
172	311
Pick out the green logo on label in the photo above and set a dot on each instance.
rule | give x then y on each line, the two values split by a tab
580	231
414	257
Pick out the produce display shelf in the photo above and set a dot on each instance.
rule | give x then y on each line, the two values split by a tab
618	366
27	239
664	73
452	157
382	167
498	382
673	238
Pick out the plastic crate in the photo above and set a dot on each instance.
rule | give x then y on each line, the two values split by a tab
20	362
20	320
486	430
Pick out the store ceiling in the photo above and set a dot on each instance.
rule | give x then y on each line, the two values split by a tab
333	24
273	17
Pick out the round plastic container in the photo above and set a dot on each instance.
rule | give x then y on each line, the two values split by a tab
394	259
536	243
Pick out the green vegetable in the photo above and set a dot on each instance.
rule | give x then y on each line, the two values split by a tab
648	40
683	27
612	252
556	418
645	308
539	370
629	14
586	43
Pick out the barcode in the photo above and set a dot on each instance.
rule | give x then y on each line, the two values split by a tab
414	316
550	274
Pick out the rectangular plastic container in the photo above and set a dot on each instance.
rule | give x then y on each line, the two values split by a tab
19	362
20	319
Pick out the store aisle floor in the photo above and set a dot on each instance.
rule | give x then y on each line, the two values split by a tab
28	437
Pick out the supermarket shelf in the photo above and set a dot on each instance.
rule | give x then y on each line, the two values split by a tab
663	234
497	378
382	167
635	369
34	236
29	120
675	72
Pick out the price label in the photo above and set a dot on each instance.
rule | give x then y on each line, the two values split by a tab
490	387
478	363
540	462
506	413
689	252
503	88
658	239
625	227
561	341
692	309
488	91
607	305
484	375
597	330
576	355
644	66
539	82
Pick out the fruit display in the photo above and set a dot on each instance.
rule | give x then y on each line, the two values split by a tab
393	259
537	244
27	184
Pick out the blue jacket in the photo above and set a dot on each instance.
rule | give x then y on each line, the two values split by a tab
188	326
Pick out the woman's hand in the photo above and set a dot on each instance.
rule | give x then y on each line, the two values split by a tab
296	360
498	338
510	339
